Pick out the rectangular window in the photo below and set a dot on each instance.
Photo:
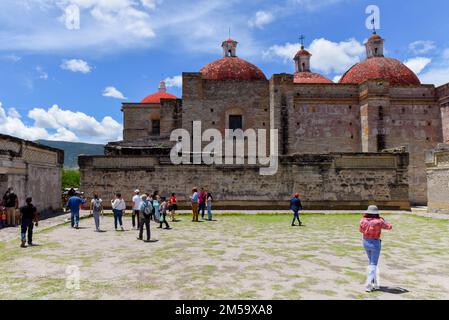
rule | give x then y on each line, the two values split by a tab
156	127
381	142
235	122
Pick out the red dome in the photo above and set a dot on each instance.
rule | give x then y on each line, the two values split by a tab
381	68
232	68
156	97
310	77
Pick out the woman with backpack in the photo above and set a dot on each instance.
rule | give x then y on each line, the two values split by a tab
96	208
118	207
371	227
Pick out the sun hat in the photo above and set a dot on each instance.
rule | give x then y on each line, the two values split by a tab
372	210
137	191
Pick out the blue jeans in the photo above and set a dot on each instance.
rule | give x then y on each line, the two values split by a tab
296	216
157	213
201	208
27	227
209	211
372	248
75	217
118	214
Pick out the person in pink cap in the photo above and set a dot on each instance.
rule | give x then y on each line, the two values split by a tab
295	206
371	227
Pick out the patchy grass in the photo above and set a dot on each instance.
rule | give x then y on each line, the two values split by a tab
237	257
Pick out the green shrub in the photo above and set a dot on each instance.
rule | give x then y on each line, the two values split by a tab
70	178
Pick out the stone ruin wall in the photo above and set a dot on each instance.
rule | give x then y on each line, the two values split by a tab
32	170
334	181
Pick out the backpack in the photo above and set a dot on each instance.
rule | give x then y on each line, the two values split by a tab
97	205
147	209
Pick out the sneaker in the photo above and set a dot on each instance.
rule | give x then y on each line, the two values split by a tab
167	228
369	288
77	227
138	238
293	225
121	228
23	245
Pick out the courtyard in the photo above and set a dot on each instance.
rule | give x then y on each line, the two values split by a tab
236	257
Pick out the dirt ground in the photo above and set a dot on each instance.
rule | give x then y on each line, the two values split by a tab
236	257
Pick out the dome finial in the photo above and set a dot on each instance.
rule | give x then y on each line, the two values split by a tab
162	86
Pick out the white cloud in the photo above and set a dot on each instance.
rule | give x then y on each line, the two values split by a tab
437	76
337	78
11	57
261	19
175	81
112	92
104	24
76	65
41	73
418	64
327	56
422	46
312	5
58	124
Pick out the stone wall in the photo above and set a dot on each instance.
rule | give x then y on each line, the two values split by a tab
212	101
322	118
437	162
32	170
332	181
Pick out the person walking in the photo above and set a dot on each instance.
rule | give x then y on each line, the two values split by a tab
209	206
11	203
163	218
29	219
194	200
118	207
202	202
137	201
371	227
96	208
295	206
173	206
146	209
156	205
74	205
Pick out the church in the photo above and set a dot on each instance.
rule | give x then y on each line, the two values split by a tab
341	145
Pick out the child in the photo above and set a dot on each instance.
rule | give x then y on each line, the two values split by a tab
163	214
173	206
2	217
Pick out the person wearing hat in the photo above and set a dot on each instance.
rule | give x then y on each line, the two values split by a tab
137	201
371	227
295	206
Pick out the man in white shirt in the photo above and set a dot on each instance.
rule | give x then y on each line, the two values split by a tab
137	201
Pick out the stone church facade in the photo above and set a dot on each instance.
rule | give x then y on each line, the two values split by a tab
341	145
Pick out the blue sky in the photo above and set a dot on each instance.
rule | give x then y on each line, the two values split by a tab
54	79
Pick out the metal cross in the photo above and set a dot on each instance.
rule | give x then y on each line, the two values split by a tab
302	38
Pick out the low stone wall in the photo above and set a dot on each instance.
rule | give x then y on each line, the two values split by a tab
32	170
438	179
333	181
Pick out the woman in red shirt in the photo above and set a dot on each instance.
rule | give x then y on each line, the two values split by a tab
371	227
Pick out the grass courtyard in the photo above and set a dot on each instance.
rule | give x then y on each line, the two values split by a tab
236	257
